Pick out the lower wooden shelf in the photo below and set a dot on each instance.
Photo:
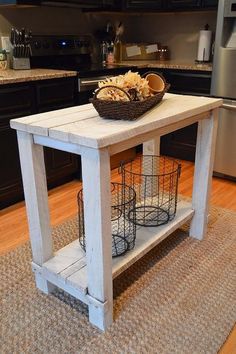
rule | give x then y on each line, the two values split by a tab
67	268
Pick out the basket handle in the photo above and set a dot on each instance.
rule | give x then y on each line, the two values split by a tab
112	86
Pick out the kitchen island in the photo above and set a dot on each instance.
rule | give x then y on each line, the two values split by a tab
80	130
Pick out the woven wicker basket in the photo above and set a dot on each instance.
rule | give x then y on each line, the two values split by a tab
128	110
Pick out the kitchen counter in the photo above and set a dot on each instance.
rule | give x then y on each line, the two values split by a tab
11	76
168	64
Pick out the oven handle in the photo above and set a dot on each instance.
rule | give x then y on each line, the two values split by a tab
231	107
89	82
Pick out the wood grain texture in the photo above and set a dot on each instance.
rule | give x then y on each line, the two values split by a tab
97	222
85	127
205	152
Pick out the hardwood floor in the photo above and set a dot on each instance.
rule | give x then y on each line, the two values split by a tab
63	205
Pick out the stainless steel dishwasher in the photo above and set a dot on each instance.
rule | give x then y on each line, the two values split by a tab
224	85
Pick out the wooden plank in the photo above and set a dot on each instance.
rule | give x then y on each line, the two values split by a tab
149	237
98	132
22	123
76	267
65	257
205	153
78	292
97	220
59	145
142	138
36	198
79	279
42	127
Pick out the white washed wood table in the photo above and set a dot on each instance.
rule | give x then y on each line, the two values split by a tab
80	130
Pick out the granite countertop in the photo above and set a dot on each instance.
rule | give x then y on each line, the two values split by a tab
168	64
11	76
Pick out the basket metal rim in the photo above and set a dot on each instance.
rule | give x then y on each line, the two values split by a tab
152	175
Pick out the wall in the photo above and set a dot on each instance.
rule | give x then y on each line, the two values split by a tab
177	30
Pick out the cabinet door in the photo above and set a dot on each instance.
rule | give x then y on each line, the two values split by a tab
81	3
181	4
187	82
181	143
210	3
55	94
143	4
51	95
16	101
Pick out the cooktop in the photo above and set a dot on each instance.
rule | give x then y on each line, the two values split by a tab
69	52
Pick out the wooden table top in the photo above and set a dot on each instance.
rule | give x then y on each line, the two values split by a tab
83	126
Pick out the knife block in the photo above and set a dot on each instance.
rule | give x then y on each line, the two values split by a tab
20	63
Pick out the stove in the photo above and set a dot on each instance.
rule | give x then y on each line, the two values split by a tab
70	52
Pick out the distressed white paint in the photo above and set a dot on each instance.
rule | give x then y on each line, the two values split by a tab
205	152
97	212
35	190
90	278
97	132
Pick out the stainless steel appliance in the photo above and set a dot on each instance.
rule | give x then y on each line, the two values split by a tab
73	53
224	85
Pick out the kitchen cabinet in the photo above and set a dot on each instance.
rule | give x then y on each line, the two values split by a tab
182	143
169	5
52	95
144	4
18	100
210	3
19	2
84	4
15	101
181	4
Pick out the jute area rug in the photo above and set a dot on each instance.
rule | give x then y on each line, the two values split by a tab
180	298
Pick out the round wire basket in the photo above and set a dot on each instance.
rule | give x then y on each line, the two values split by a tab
155	181
123	201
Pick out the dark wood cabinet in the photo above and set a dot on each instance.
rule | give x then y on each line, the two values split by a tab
55	94
19	2
18	100
144	4
51	95
182	143
15	101
183	4
210	3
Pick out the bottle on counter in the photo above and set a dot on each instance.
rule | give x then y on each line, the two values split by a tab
104	52
118	50
110	53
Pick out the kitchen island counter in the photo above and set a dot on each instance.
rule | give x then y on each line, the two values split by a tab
11	76
80	130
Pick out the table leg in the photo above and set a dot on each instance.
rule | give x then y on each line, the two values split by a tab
36	199
149	185
97	212
205	152
152	147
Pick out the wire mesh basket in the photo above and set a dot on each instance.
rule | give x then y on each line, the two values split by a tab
155	181
123	200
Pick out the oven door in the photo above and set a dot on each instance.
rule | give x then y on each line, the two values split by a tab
87	86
